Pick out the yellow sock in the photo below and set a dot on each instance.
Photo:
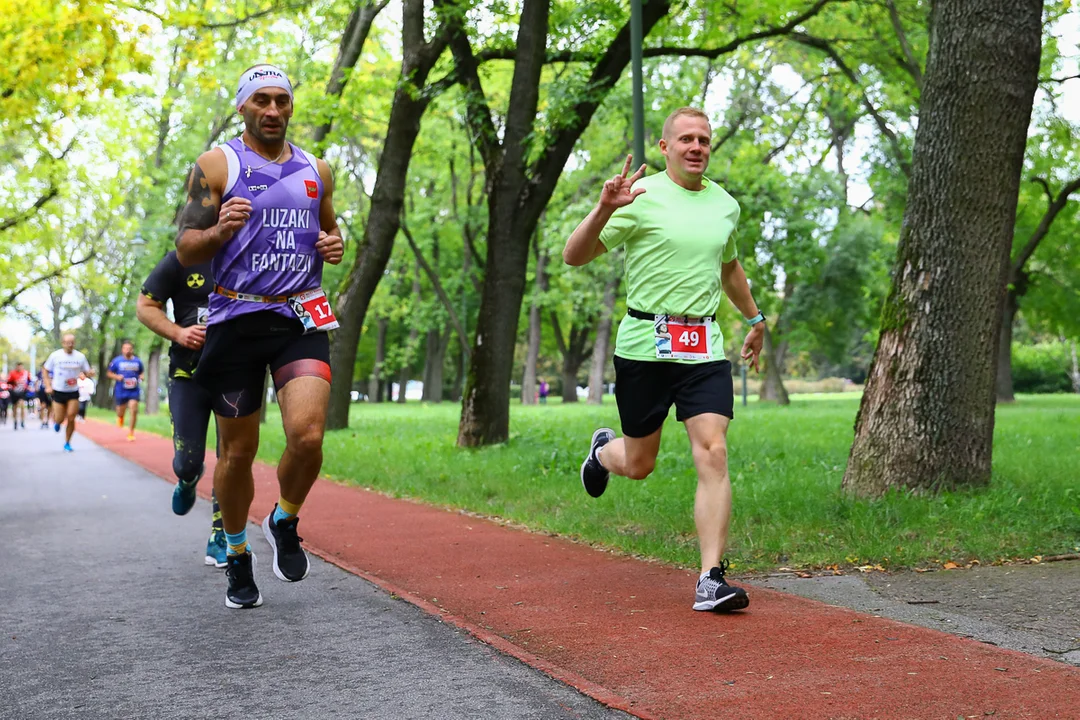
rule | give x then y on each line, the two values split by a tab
288	509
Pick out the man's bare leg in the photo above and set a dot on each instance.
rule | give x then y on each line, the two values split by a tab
632	458
712	503
304	402
234	484
72	412
134	405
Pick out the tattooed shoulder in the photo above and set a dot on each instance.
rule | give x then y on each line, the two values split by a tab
201	209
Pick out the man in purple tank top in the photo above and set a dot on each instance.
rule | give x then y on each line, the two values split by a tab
260	211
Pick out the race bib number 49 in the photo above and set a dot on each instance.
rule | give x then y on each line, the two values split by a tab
680	339
314	311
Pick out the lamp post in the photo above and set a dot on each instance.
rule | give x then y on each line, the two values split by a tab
636	40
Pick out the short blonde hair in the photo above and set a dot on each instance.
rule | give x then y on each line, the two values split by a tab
682	112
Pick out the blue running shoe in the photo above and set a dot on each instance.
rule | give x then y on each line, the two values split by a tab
183	497
68	448
217	549
56	427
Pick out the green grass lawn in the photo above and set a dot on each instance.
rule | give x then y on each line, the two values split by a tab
786	467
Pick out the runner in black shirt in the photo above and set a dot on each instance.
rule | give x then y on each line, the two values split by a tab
189	404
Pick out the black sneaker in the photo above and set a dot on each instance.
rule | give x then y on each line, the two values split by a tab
242	592
290	560
594	476
713	592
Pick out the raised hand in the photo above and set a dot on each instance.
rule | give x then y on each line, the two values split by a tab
617	191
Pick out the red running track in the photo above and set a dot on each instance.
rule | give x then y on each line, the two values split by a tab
622	631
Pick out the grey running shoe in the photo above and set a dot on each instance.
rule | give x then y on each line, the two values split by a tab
594	476
713	592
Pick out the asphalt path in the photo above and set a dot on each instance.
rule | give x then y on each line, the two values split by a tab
107	611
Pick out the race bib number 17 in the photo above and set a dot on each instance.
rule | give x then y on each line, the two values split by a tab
314	311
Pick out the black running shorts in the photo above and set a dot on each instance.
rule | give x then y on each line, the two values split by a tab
64	397
645	392
238	351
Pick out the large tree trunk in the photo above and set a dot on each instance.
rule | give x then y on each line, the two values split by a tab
517	198
387	199
532	355
153	373
772	387
1004	362
603	340
485	413
927	417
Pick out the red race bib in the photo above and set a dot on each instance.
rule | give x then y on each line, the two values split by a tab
680	339
314	311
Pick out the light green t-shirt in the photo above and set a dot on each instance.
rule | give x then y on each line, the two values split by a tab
676	240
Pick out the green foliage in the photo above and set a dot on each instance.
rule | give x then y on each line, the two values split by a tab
1041	367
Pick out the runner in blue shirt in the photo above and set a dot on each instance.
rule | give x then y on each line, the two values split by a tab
127	370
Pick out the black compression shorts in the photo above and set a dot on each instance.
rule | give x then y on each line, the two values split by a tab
238	352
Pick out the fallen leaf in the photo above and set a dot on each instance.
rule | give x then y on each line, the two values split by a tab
950	566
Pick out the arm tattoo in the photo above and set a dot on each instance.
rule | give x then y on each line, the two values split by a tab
201	211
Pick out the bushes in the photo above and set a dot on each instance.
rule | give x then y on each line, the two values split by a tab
1041	368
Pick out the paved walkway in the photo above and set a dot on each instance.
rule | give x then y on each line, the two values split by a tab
621	630
107	611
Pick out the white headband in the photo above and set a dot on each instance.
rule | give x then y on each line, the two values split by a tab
259	77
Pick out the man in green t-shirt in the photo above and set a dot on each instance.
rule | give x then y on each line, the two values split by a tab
678	230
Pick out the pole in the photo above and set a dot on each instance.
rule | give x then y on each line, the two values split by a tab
742	369
636	41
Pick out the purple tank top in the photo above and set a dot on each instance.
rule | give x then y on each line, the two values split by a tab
274	253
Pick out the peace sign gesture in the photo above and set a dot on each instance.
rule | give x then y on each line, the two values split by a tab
617	192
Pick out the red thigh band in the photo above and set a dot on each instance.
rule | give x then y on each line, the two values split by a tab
300	368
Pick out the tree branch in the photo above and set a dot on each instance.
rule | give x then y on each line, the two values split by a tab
824	46
1057	204
58	272
352	43
439	290
478	112
910	64
557	328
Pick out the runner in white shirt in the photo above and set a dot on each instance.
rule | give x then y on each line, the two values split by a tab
87	386
61	378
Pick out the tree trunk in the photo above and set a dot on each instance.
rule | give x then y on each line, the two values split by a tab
772	387
927	417
153	372
103	394
376	379
387	199
1074	375
1004	362
414	336
434	360
603	340
485	413
532	355
575	351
